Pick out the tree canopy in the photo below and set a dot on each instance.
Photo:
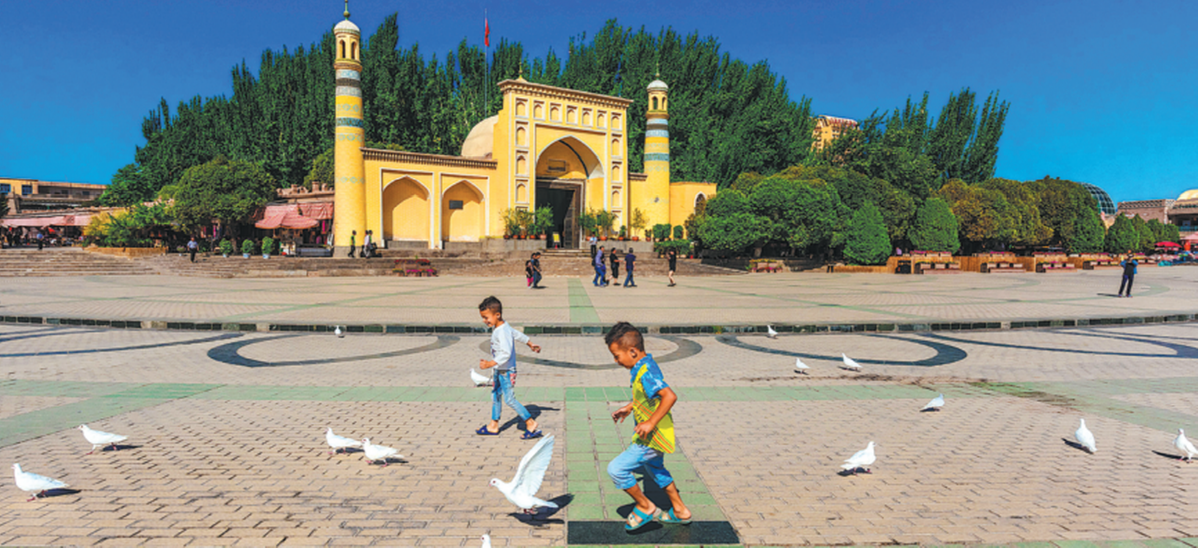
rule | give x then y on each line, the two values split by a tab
227	190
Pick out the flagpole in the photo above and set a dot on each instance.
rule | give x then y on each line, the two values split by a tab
487	62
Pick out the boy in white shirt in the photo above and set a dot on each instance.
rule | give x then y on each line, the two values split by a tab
503	349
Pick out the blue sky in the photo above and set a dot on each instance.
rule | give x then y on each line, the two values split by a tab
1100	91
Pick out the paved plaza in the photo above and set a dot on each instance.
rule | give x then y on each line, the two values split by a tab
226	428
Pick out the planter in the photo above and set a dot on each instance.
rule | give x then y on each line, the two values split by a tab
266	255
246	255
636	238
226	255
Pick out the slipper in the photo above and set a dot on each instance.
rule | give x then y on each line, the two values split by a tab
531	435
669	517
484	432
645	518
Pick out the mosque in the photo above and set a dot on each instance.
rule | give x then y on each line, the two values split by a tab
547	146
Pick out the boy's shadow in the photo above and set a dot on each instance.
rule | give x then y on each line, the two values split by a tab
544	515
654	494
534	411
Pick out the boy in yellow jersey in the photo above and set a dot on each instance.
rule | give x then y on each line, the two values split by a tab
651	402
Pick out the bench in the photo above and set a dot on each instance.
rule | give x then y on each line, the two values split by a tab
313	251
1100	263
773	268
414	267
1047	267
937	268
1002	266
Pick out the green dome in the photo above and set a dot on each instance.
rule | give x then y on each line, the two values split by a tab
1105	204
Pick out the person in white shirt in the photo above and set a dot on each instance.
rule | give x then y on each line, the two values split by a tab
503	350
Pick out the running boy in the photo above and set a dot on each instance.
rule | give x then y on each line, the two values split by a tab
652	400
503	349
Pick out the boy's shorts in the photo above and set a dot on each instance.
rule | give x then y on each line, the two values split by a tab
638	456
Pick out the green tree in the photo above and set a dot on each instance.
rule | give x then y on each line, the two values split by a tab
322	169
226	190
1024	213
735	233
1087	234
128	187
867	242
1122	236
983	214
935	227
1148	239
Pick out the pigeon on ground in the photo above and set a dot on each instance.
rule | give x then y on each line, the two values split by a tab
338	333
486	541
935	404
801	367
850	364
339	443
861	459
100	439
379	452
1085	437
769	332
33	483
522	490
1183	444
479	380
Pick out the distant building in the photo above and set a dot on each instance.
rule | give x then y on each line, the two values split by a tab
1182	212
27	195
828	128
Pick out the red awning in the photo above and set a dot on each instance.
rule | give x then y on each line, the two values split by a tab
1167	244
317	210
285	216
1191	238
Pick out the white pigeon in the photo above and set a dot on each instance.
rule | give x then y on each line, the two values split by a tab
861	459
801	367
338	333
379	452
486	541
33	483
1183	444
479	380
935	404
769	332
339	443
850	364
1085	437
100	439
522	490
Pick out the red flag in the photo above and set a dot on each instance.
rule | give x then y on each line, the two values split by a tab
486	32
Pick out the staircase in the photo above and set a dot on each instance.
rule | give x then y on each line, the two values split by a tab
235	266
67	261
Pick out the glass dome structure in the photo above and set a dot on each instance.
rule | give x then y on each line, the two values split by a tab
1105	204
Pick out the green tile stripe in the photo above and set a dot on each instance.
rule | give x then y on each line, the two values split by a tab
592	441
1078	396
581	310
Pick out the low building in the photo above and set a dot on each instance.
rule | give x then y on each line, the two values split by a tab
828	128
25	195
1182	212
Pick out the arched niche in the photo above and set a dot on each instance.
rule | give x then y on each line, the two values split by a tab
462	213
405	210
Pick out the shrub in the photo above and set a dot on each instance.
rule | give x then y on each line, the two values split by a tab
868	243
935	227
248	246
678	232
682	247
226	247
661	231
268	246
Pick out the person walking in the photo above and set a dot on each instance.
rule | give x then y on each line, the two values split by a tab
672	256
1129	265
599	268
629	265
593	240
353	239
41	240
536	270
615	266
192	247
366	251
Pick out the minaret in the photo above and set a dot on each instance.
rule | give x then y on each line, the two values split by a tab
657	155
349	172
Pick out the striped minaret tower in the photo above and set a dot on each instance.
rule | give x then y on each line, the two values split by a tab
657	155
349	173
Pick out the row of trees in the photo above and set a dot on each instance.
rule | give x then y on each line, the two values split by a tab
727	116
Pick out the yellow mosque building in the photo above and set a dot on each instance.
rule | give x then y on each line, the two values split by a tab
547	146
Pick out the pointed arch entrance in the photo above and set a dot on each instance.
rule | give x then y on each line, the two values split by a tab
462	212
567	169
406	211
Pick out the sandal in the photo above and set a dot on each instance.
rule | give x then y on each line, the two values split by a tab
484	432
531	435
645	518
669	517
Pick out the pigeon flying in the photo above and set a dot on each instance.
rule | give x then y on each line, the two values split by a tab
339	443
850	364
935	404
861	460
33	483
1085	437
800	367
769	332
479	380
100	439
1183	444
522	490
379	452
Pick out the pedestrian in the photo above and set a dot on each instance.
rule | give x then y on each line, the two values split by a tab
503	350
528	272
672	256
192	247
1129	265
536	270
652	400
599	268
365	246
615	266
41	240
593	240
629	265
353	239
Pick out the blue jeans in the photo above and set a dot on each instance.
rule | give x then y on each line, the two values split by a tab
536	279
597	275
628	281
502	389
638	457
